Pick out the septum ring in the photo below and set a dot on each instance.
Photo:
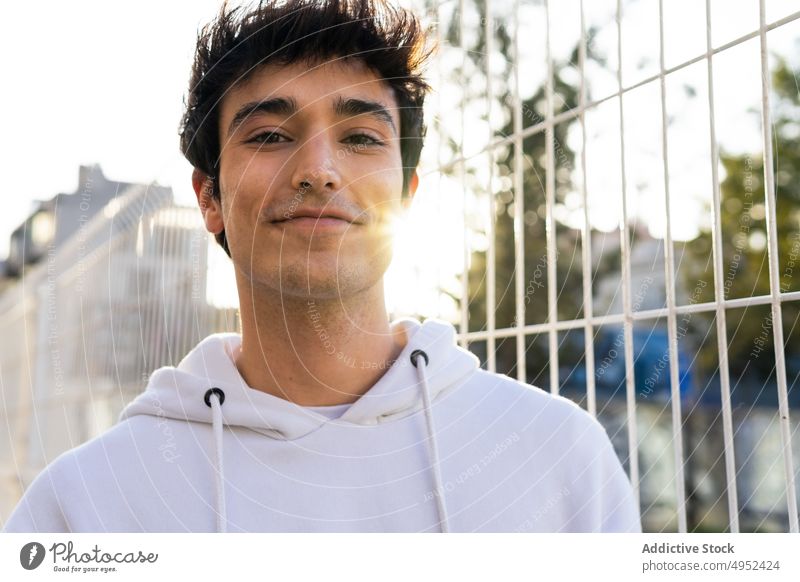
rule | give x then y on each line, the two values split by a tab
305	184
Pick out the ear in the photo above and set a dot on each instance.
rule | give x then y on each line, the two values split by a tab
210	207
413	183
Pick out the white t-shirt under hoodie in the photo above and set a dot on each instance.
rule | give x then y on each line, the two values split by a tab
437	444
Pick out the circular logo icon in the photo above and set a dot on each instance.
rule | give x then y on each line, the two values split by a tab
31	555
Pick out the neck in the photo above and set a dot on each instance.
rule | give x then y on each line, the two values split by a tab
315	352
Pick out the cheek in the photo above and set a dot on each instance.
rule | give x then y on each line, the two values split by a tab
244	189
250	173
390	186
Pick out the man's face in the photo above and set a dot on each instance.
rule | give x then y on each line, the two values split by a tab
299	141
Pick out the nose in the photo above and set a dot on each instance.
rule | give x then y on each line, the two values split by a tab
315	166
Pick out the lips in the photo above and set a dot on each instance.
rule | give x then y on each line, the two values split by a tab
318	215
314	217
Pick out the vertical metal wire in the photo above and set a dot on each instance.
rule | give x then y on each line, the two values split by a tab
182	308
167	318
491	275
31	447
111	365
519	209
774	278
550	187
669	281
40	380
465	297
200	326
630	383
722	333
439	147
586	247
147	293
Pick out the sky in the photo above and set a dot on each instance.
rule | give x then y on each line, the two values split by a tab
93	82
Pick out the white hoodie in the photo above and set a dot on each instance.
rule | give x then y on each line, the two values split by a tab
438	446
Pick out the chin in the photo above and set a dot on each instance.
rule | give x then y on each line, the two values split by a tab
320	282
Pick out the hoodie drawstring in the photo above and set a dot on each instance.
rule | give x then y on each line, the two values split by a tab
214	398
434	449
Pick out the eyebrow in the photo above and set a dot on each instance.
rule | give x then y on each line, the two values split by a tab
287	106
353	107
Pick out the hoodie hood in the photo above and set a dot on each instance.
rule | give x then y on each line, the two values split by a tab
180	392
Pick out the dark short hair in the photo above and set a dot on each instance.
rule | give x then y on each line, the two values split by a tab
389	40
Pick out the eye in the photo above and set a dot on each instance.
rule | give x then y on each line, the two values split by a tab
268	137
362	139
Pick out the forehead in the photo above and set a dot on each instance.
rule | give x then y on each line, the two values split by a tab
314	86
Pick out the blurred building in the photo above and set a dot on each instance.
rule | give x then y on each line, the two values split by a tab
111	284
52	222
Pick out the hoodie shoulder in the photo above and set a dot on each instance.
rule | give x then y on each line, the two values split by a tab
78	487
45	504
41	508
529	404
571	448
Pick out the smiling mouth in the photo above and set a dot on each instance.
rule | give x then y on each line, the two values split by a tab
316	224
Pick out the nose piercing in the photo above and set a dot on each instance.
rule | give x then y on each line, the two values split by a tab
305	184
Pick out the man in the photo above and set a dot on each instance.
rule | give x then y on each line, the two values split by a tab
304	125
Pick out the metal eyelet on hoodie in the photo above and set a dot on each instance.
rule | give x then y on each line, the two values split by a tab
220	395
416	353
